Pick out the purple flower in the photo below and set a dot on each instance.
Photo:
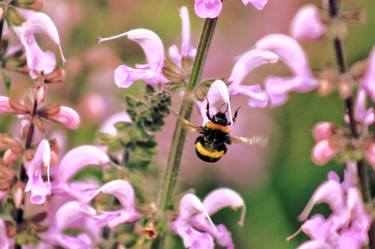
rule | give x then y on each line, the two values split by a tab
75	160
347	226
37	59
38	188
153	48
368	80
65	217
124	193
292	54
186	50
362	114
5	242
68	117
212	8
246	63
307	24
193	223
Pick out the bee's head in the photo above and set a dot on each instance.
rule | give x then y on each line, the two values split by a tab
220	118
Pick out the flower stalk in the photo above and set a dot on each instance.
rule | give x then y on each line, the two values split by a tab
334	12
179	135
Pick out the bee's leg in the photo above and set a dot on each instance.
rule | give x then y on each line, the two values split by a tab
208	109
236	114
228	139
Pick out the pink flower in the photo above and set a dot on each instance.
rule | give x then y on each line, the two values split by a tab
68	117
292	54
5	242
323	152
193	223
124	193
347	226
38	60
368	80
247	62
153	48
75	160
65	217
38	188
307	24
186	50
323	131
4	105
362	114
212	8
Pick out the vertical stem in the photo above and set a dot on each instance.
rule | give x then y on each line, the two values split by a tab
179	135
22	177
334	12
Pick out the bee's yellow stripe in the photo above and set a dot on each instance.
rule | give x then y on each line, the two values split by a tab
209	153
214	126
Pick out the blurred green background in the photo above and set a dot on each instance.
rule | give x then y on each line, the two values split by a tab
276	181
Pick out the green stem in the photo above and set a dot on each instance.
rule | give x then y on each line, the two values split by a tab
179	135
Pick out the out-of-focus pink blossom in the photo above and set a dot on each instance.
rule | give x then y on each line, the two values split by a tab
369	154
323	152
246	63
218	92
322	131
5	242
362	114
347	226
39	190
37	59
212	8
186	50
108	125
293	55
368	80
193	223
65	216
153	48
124	193
4	105
68	117
307	24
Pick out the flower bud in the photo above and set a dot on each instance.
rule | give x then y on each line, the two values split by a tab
369	154
323	130
9	157
18	195
322	152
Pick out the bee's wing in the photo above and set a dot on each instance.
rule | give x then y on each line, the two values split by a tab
261	140
188	125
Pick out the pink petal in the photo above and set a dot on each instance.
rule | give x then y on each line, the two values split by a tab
4	105
247	62
307	24
318	228
78	158
186	47
5	242
208	8
290	52
329	192
154	52
368	80
222	198
258	4
322	131
323	152
369	154
315	244
108	124
34	169
38	23
258	98
68	117
361	113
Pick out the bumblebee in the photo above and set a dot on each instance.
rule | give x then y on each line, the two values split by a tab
210	146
